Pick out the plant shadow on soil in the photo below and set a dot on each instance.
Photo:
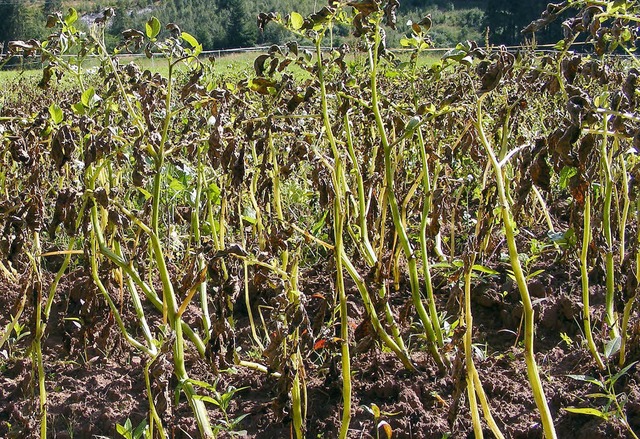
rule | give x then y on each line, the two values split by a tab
95	381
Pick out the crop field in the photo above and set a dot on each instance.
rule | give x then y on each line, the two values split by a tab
317	243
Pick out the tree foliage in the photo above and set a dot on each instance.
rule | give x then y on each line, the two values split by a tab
506	19
52	6
20	21
241	28
9	12
218	24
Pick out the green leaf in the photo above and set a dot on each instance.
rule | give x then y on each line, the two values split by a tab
237	420
565	174
202	384
190	39
535	273
616	6
214	193
64	43
146	193
317	227
78	108
207	399
599	395
193	42
442	265
455	54
152	27
262	85
556	237
617	376
376	410
566	239
248	219
587	379
566	338
71	17
612	346
483	269
140	429
176	393
56	113
587	411
467	60
89	98
86	97
297	21
407	42
125	430
176	185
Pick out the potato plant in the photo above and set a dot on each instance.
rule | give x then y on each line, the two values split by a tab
192	198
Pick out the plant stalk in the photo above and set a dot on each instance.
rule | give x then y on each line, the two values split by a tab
584	277
339	252
395	211
528	313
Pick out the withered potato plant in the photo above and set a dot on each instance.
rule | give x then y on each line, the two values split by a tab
190	195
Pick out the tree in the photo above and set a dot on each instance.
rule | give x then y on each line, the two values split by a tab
8	21
20	21
51	7
507	18
242	30
504	19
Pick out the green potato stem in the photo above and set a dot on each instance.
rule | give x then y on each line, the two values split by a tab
528	313
584	277
628	307
339	252
610	313
395	212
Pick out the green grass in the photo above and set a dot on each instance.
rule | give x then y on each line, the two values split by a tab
234	63
7	76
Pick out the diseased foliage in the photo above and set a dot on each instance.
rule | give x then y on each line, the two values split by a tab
193	195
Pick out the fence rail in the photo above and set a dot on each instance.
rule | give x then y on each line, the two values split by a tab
219	53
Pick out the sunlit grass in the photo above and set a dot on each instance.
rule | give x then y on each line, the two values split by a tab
222	62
